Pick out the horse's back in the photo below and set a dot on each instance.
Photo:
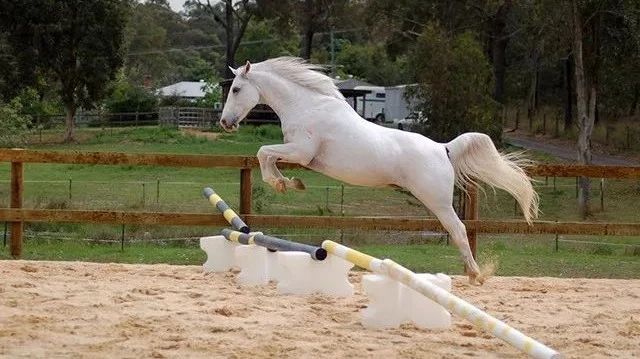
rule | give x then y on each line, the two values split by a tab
362	153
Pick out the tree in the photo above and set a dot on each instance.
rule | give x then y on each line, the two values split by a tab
599	30
371	63
234	19
264	41
126	97
15	124
79	43
165	47
455	85
309	17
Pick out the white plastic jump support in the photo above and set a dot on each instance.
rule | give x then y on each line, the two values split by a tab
220	253
295	272
392	303
300	274
258	266
454	304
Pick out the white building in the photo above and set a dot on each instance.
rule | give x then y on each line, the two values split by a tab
189	90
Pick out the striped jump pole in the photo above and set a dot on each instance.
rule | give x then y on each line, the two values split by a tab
274	243
454	304
232	217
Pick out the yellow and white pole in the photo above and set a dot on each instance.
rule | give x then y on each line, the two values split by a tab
229	214
449	301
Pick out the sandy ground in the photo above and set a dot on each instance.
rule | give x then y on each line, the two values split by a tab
78	310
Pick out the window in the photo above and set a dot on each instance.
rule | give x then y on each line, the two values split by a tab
380	95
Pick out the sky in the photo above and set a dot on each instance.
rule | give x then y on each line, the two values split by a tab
176	5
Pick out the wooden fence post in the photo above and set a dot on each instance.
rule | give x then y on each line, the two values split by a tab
17	188
245	191
471	212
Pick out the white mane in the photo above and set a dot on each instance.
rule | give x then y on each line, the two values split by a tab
302	73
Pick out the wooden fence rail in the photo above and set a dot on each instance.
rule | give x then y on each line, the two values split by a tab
18	215
334	222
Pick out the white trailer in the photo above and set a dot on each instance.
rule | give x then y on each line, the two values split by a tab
397	106
372	105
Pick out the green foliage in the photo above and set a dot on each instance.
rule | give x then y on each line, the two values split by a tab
213	94
455	85
126	97
15	125
146	135
261	197
165	45
257	134
271	43
33	103
371	63
75	43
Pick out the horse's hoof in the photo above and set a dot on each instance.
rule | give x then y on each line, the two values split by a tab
297	184
476	279
281	186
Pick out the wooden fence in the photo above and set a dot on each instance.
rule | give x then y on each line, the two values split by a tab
194	117
17	215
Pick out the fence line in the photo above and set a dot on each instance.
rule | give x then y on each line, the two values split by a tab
18	215
334	222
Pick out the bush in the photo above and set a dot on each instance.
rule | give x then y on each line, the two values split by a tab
15	124
455	85
126	97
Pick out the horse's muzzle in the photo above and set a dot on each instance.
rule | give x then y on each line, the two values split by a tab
229	125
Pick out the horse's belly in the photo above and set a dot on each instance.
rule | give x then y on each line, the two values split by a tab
354	174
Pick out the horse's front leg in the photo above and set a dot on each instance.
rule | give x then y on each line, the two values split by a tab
269	155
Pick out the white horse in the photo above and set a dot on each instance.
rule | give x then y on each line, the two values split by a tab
324	133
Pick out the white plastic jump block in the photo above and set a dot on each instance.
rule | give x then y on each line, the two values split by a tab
300	274
220	253
393	303
257	265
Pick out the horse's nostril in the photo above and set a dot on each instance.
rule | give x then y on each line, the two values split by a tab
224	122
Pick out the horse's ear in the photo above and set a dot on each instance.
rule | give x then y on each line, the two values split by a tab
233	71
246	69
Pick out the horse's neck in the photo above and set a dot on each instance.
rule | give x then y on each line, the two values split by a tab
287	99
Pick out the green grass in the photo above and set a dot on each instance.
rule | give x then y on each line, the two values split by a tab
533	258
134	188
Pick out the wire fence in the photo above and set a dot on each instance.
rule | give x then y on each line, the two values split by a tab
612	130
612	201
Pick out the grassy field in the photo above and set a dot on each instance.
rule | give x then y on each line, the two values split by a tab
512	255
178	189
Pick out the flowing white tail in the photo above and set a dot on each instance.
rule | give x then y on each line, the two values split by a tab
474	157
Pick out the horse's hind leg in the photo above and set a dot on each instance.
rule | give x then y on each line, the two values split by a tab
438	197
458	232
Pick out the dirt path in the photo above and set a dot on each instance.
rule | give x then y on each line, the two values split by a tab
91	310
564	151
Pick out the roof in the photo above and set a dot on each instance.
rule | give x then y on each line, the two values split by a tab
190	89
354	93
350	83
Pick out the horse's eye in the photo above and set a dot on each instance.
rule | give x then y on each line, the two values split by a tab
235	89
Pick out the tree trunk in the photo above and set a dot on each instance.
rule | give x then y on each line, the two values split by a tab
634	104
70	115
568	98
308	31
585	107
532	99
229	53
307	44
499	41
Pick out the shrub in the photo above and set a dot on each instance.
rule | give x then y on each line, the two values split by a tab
455	85
15	124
